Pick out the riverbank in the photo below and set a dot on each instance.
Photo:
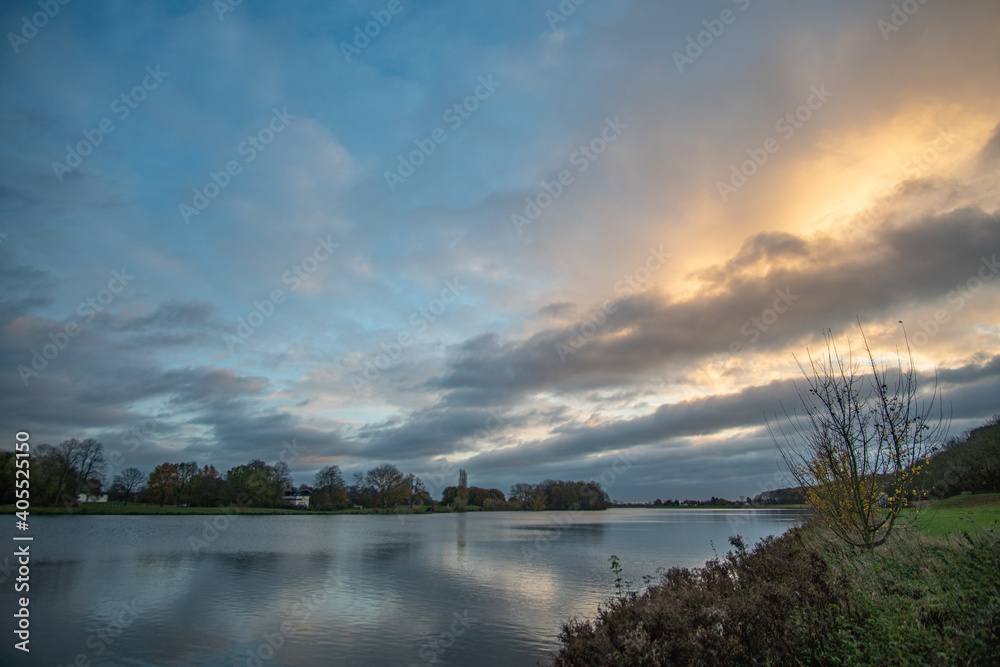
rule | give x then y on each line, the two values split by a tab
931	595
152	510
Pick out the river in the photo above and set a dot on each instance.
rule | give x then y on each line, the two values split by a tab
477	589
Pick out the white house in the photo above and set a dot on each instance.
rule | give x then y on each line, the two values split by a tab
297	500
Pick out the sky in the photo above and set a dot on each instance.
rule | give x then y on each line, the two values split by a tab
530	239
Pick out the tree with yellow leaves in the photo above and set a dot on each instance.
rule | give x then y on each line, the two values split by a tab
859	442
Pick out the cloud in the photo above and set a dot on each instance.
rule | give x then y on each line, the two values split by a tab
991	151
557	310
900	264
764	248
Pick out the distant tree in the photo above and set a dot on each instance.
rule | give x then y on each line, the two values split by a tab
130	483
478	496
208	488
360	493
416	491
970	462
282	476
53	478
860	444
522	494
332	497
59	474
86	458
561	495
186	473
50	475
162	482
792	496
116	491
388	484
328	477
330	491
494	505
462	496
263	485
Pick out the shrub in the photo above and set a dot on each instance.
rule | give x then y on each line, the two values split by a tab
749	607
802	599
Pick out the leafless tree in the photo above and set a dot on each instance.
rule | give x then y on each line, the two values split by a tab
860	440
86	457
388	483
129	482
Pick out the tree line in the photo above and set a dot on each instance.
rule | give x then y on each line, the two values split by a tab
60	474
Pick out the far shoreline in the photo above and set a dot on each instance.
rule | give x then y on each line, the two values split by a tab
138	509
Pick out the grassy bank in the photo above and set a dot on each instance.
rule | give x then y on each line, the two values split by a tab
784	506
930	596
957	514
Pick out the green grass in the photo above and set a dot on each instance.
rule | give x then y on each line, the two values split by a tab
956	515
918	599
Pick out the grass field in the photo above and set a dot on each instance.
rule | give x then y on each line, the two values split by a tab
956	515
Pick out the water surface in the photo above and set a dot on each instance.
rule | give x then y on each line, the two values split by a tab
462	589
